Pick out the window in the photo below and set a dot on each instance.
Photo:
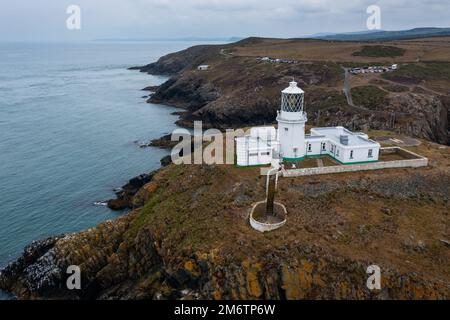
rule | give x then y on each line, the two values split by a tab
370	154
324	146
337	152
309	147
351	154
253	154
286	129
265	153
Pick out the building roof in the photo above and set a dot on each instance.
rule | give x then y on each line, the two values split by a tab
293	89
355	139
317	137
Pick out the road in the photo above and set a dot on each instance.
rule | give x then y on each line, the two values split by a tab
347	91
347	88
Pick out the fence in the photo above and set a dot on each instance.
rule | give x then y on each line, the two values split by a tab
412	160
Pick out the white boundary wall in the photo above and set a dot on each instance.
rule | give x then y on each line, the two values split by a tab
416	162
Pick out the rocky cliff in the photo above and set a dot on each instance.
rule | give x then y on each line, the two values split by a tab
126	194
188	237
239	90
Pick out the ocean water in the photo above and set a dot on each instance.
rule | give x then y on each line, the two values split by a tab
70	115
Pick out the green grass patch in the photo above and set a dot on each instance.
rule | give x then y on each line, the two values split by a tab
319	99
369	97
380	52
396	88
142	215
422	71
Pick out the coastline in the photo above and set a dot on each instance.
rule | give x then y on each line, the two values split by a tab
190	239
156	251
239	90
91	204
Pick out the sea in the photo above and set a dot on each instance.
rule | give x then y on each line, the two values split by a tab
71	120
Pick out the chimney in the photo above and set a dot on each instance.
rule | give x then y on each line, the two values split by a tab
344	139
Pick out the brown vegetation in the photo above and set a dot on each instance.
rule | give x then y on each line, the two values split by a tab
240	90
191	238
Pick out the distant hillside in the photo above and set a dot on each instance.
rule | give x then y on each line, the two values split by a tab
388	35
192	39
240	90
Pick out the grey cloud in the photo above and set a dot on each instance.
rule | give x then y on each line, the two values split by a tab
45	19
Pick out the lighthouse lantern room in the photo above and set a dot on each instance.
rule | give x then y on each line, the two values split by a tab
291	123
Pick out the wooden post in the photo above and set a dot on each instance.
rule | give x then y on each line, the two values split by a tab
271	195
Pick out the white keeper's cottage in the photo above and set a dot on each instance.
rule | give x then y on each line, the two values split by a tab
293	144
203	67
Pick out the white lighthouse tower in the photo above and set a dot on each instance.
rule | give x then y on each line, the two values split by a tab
291	123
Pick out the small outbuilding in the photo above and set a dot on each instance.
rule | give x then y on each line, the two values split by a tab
256	148
203	67
343	145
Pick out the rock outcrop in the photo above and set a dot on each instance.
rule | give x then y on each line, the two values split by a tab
125	194
238	91
189	238
411	114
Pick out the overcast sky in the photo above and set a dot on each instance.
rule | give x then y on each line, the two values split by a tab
44	20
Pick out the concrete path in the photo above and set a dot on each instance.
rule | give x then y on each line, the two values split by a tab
400	142
347	91
347	88
319	162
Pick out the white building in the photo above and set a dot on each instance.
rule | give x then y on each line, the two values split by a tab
203	67
256	148
341	144
293	144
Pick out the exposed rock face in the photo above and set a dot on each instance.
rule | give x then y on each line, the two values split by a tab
418	115
176	62
150	88
164	142
190	239
242	98
165	161
37	266
239	91
125	196
188	235
114	272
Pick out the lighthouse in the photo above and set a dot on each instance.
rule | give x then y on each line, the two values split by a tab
291	123
292	144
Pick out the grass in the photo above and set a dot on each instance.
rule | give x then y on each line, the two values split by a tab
329	162
391	157
370	97
319	99
308	163
194	211
380	51
311	162
396	88
422	71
